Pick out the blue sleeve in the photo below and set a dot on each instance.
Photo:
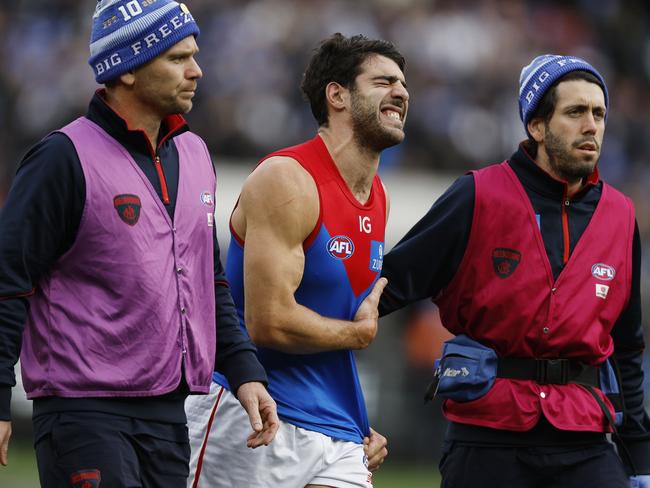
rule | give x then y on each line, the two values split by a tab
38	224
427	257
236	356
628	351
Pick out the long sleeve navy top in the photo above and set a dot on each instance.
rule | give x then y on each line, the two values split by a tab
38	224
425	260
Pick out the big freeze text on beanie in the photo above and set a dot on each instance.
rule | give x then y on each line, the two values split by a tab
538	77
129	33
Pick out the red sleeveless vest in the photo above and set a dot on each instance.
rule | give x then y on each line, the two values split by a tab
504	295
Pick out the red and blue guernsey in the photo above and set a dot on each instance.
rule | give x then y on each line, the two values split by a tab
343	259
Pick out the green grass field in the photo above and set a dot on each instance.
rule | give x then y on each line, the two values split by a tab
406	476
22	473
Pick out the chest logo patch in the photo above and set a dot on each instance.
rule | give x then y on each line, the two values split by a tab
601	290
207	198
88	478
128	207
376	256
340	247
505	261
603	272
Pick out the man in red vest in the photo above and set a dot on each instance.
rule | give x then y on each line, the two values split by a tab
539	260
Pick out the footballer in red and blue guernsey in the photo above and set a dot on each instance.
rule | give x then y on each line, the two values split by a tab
304	262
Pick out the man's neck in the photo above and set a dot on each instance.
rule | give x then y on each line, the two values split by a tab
135	115
357	165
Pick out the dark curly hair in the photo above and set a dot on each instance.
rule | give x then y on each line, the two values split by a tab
339	59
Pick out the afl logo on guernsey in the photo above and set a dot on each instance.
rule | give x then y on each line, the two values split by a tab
603	272
207	199
340	247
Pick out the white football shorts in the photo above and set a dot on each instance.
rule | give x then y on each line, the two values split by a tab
218	427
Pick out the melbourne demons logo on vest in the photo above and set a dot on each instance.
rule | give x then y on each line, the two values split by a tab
128	207
505	261
340	247
89	478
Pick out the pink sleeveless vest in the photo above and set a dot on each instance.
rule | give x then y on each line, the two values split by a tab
131	304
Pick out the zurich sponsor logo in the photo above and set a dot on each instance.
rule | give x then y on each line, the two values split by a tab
603	272
207	198
340	247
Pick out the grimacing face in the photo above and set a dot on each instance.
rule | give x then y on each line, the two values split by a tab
573	136
379	104
168	83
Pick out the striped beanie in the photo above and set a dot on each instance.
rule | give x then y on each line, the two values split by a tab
536	79
129	33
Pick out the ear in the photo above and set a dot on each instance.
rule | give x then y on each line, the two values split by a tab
337	96
128	78
537	129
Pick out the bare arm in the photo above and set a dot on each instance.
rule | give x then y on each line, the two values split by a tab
278	209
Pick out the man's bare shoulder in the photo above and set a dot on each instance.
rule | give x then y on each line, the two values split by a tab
280	180
281	193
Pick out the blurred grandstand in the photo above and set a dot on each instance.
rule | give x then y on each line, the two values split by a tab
463	63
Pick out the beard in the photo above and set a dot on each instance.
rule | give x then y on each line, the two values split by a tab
368	130
567	167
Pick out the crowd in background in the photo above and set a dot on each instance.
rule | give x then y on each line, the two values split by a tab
463	62
463	59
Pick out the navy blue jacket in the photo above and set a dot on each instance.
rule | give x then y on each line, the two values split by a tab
38	224
426	259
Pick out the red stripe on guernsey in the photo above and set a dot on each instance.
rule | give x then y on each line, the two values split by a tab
199	464
234	233
20	295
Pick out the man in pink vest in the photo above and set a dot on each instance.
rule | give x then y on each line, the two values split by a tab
539	260
110	276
